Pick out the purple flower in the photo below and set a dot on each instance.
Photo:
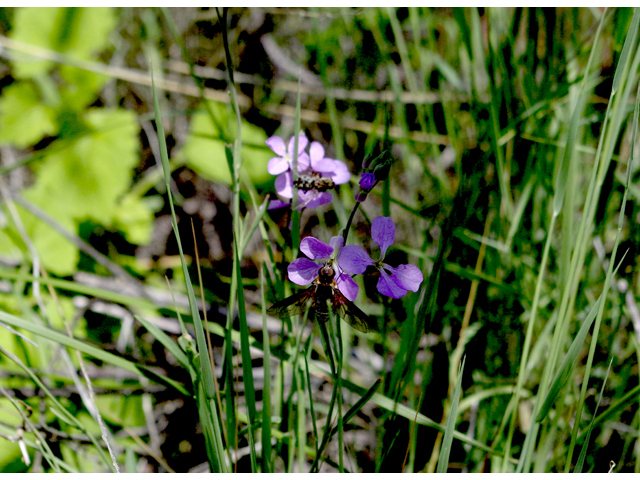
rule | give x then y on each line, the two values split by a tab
316	173
303	271
284	161
394	282
323	170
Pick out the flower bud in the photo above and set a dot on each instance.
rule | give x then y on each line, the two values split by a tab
367	181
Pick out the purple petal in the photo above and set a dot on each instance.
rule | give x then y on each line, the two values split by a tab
383	231
303	162
408	277
354	259
315	249
314	198
277	145
305	198
388	287
303	271
341	173
277	165
367	181
325	166
284	185
316	157
336	243
322	164
302	144
347	286
277	203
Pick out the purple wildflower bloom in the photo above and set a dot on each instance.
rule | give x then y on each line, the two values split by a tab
394	282
312	166
284	161
303	271
319	167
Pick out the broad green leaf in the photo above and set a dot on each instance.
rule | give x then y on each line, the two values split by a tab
24	119
79	32
57	254
10	457
80	88
134	217
86	179
204	150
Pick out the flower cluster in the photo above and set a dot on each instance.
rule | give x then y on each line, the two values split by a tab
394	281
315	173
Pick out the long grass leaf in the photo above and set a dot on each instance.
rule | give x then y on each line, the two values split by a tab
585	445
88	349
206	406
563	373
443	460
247	366
267	466
167	342
206	374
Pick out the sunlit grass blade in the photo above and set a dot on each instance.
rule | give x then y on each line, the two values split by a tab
443	460
168	343
88	349
610	275
247	367
62	412
570	267
585	445
562	375
267	466
206	406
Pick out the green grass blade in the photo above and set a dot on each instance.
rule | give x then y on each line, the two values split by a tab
206	406
629	43
585	445
572	137
267	466
206	373
167	342
443	460
61	411
352	412
88	349
247	366
562	376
